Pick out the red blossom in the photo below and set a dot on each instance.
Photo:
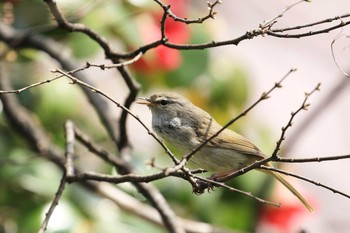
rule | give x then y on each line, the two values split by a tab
163	58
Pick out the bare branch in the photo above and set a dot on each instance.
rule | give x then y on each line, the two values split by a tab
305	179
115	65
144	211
333	95
70	140
304	106
94	148
333	54
329	20
53	205
342	24
211	13
63	23
219	184
17	91
87	65
308	160
268	23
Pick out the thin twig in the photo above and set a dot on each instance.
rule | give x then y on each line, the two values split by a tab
69	171
162	27
96	149
322	107
249	194
116	65
342	24
268	23
86	66
304	106
17	91
123	178
211	13
70	140
308	160
63	23
53	205
305	179
333	54
329	20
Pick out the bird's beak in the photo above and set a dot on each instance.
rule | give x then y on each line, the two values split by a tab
144	100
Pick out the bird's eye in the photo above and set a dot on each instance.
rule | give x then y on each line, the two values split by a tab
163	102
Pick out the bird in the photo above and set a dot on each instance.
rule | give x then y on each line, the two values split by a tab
184	125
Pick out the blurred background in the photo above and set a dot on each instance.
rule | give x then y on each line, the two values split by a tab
223	81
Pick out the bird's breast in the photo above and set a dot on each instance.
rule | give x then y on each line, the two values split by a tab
174	132
168	127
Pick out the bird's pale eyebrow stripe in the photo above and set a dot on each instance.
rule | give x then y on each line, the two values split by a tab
167	100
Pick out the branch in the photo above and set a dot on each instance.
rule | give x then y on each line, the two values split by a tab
263	29
86	66
304	106
70	140
72	27
342	24
53	205
329	20
24	123
333	54
219	184
211	14
97	150
305	179
308	160
130	204
268	23
322	106
149	178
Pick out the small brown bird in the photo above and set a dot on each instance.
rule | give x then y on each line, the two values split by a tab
184	125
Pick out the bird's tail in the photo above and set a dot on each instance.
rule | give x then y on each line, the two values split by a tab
290	188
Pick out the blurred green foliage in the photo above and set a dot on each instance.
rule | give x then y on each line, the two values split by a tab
28	183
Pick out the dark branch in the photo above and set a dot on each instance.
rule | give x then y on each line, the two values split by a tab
304	106
305	179
53	205
211	14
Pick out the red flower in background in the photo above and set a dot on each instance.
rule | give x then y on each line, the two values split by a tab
163	58
288	218
283	219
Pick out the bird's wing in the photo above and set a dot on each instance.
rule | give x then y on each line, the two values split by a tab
230	140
